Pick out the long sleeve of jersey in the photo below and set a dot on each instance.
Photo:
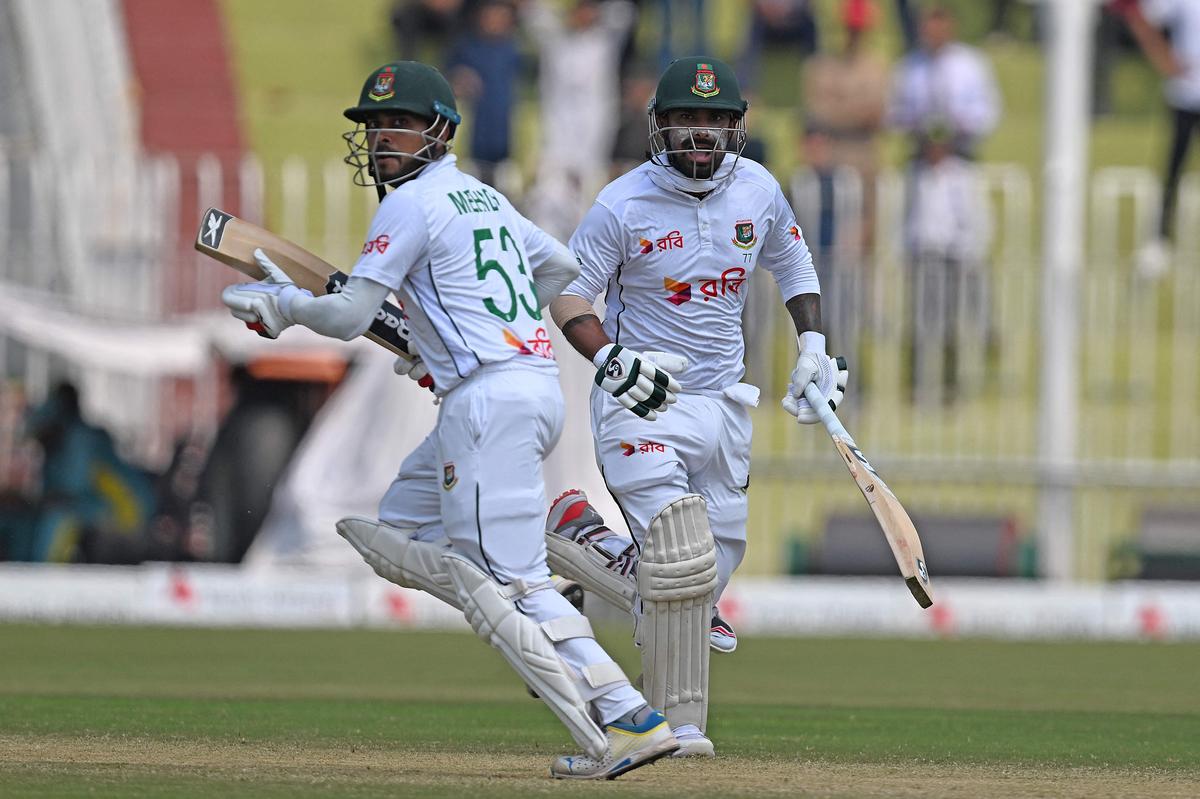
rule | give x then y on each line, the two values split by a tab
786	255
598	244
553	265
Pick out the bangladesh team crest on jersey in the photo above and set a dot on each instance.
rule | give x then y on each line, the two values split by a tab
743	234
706	81
384	88
449	478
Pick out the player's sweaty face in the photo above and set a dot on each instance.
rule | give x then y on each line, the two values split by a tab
697	136
392	139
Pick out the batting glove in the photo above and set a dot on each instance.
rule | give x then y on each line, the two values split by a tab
637	383
813	366
264	306
414	367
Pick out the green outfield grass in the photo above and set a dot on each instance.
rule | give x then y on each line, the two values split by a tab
153	712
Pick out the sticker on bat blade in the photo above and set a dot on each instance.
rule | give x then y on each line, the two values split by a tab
213	228
389	324
922	572
863	460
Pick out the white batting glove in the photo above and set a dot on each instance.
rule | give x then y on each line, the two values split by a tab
637	383
414	367
813	366
264	306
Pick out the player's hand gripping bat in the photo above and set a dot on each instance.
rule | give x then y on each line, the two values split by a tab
232	241
898	529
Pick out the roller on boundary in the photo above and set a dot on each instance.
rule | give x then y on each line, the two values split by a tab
898	529
232	241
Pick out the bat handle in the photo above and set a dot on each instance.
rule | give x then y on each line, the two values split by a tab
821	405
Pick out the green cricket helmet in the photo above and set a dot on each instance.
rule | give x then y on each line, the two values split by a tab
401	87
697	151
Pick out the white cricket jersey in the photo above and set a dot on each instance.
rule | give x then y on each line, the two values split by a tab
462	260
675	267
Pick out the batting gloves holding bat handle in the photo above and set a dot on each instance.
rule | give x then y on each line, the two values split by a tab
264	306
635	381
814	366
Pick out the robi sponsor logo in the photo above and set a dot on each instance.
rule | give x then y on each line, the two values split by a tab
378	244
730	282
671	241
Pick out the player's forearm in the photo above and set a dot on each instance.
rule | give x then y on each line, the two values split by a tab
586	335
805	310
345	315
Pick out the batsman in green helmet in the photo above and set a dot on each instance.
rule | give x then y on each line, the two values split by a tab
406	118
697	120
670	247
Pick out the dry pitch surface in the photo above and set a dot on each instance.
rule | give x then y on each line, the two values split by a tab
135	712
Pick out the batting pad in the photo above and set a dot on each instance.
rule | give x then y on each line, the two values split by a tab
585	564
677	578
399	559
526	646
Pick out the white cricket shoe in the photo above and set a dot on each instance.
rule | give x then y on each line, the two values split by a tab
630	746
692	742
721	637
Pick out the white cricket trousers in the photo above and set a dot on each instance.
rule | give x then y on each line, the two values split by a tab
700	446
475	484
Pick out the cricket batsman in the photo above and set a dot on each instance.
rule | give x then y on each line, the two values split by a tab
671	245
463	519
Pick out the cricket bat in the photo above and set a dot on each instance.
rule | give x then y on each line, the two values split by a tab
897	528
232	241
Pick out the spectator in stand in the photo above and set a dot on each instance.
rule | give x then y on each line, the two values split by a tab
579	62
483	68
777	24
630	148
845	97
423	29
945	84
947	236
1178	60
92	505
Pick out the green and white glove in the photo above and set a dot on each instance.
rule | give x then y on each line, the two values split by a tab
635	381
814	366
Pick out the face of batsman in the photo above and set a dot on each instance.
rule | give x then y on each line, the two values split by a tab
405	118
696	140
399	144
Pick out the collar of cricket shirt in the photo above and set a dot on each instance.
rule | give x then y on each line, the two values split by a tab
672	179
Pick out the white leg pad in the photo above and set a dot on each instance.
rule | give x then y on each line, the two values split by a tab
526	646
677	579
589	567
397	558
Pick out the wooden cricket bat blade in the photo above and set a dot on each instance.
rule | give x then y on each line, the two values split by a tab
232	241
898	529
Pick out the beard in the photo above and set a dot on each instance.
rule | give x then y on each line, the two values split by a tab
697	157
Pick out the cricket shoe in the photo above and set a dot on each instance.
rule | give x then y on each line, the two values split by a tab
721	637
630	745
692	742
580	545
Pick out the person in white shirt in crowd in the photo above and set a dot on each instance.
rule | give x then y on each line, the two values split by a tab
463	519
671	245
1178	61
947	234
945	82
579	84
